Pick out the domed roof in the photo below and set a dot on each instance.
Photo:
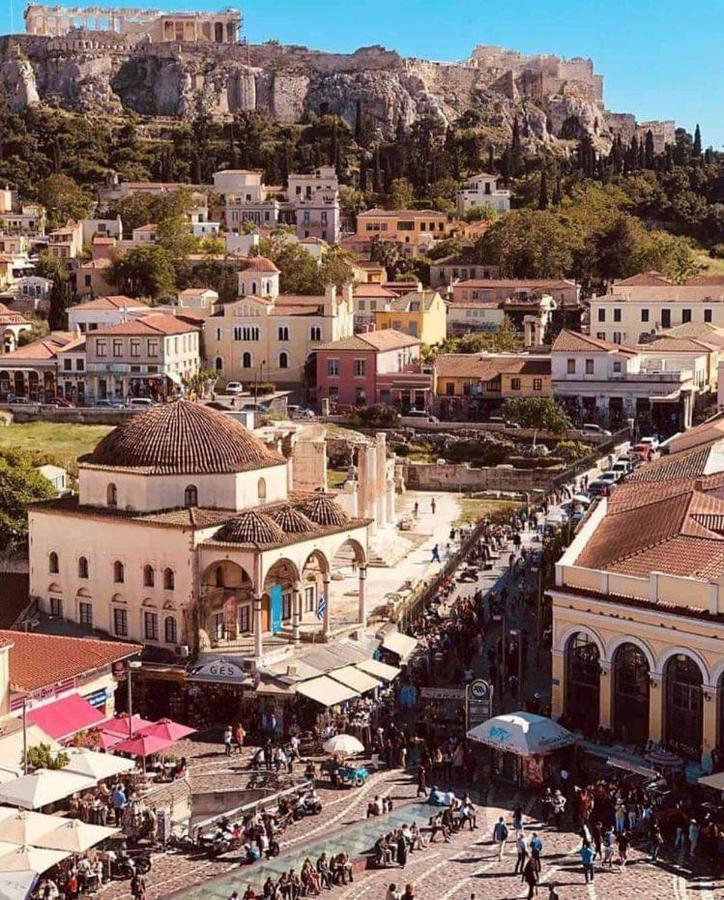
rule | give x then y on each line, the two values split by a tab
183	438
291	521
324	511
261	264
251	527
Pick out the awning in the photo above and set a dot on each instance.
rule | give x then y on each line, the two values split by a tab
619	762
42	787
379	669
356	679
713	781
398	643
326	691
66	717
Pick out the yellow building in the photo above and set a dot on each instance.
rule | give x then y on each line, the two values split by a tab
416	227
638	607
420	313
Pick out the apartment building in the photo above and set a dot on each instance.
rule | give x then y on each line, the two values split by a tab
482	190
421	314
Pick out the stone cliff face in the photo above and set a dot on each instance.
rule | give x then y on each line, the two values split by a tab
93	73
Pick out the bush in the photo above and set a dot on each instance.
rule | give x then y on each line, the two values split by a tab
377	415
485	451
571	451
43	757
263	387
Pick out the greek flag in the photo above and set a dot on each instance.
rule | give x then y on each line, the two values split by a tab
321	607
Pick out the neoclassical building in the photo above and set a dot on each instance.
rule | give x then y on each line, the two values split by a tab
638	607
185	535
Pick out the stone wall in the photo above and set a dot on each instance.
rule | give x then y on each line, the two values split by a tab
433	477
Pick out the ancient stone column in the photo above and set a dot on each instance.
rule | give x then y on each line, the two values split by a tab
604	695
362	603
327	621
258	643
656	706
296	612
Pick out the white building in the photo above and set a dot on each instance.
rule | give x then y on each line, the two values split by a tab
482	190
104	311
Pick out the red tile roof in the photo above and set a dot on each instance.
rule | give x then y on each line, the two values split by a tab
42	350
528	284
8	317
40	660
116	301
373	290
384	339
574	342
261	264
157	323
646	279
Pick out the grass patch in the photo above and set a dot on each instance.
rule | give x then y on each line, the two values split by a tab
335	479
473	509
63	442
710	265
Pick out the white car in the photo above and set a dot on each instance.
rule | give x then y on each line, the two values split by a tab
234	387
142	403
653	442
591	428
611	476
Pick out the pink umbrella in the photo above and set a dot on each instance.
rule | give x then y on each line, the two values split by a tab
168	729
143	745
119	725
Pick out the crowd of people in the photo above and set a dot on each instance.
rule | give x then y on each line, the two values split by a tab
309	881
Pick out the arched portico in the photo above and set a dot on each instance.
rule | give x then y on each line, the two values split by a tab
351	555
224	608
583	681
316	578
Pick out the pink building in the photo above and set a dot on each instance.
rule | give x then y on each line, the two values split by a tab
376	367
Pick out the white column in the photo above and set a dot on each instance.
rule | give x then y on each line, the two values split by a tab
327	622
362	603
296	611
258	644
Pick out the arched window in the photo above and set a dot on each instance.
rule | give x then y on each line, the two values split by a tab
112	495
219	363
169	580
683	719
246	360
283	333
191	496
148	576
284	360
118	572
169	627
53	566
261	489
583	679
82	567
219	577
630	694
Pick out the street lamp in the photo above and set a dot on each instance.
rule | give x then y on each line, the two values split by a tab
133	664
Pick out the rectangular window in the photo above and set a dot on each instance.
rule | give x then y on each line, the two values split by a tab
617	367
450	388
589	367
219	626
537	384
602	315
617	315
85	613
135	348
571	366
117	348
100	348
333	367
515	384
79	365
56	606
244	619
601	335
67	365
666	318
707	315
359	368
286	606
150	626
685	316
153	347
120	622
309	593
644	315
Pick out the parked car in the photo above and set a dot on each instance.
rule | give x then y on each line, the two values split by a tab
109	403
254	407
642	452
234	387
591	428
611	476
300	412
622	466
18	399
417	415
141	403
651	441
60	402
599	488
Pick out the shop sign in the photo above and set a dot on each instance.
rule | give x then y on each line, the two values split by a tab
479	702
440	693
220	671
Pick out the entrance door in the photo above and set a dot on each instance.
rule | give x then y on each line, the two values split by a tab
630	694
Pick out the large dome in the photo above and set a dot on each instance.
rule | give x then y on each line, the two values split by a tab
183	438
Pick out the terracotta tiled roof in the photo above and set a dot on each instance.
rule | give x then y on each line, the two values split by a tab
183	437
646	279
113	302
484	367
151	228
261	264
512	283
375	291
402	213
37	660
667	344
281	311
292	521
425	299
323	510
384	339
8	317
671	468
43	349
474	304
250	527
156	323
575	342
703	331
707	433
705	279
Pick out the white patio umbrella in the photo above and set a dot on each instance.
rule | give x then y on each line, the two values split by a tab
522	733
21	826
17	885
42	787
346	744
97	765
16	858
74	836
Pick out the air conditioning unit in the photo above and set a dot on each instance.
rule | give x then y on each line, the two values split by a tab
183	651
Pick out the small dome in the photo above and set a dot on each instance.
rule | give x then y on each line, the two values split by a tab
183	438
261	264
291	521
251	528
323	510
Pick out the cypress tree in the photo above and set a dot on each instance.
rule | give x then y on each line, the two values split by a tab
697	141
642	156
358	124
363	172
543	191
491	160
557	191
649	150
377	181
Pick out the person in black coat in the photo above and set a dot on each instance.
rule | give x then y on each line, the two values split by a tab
401	850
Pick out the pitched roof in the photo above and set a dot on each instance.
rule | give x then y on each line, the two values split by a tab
575	342
424	299
384	339
666	344
151	228
45	348
401	213
156	323
8	317
706	433
646	279
705	279
115	301
527	283
485	367
373	290
38	660
703	331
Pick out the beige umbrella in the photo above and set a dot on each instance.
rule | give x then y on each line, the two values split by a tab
16	858
97	765
20	826
74	836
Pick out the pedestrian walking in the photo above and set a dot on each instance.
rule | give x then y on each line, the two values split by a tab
693	836
228	736
239	735
436	554
500	836
401	851
416	509
536	850
623	842
588	854
553	893
522	854
530	877
559	805
392	893
421	781
433	505
609	839
657	842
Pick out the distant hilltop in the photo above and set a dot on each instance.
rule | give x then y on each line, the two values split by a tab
92	59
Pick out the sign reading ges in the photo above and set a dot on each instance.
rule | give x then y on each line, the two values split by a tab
221	671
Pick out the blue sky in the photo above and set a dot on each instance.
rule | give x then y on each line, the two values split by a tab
660	59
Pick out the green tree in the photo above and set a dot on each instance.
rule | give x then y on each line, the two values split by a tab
543	191
299	270
336	267
542	413
401	194
63	199
43	756
528	244
144	272
697	141
20	484
483	213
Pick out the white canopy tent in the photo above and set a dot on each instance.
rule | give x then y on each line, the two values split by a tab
326	691
42	787
17	885
522	733
354	678
16	858
22	826
344	744
401	644
74	836
378	669
97	765
713	781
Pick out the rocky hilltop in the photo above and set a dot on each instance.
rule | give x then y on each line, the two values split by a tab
103	72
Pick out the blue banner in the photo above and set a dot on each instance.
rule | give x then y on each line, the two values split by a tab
275	595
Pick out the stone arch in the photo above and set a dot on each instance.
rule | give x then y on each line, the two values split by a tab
224	573
630	678
583	656
84	594
614	644
683	687
667	654
562	642
284	568
316	556
717	678
349	552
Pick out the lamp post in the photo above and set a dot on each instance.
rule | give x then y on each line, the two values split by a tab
133	664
